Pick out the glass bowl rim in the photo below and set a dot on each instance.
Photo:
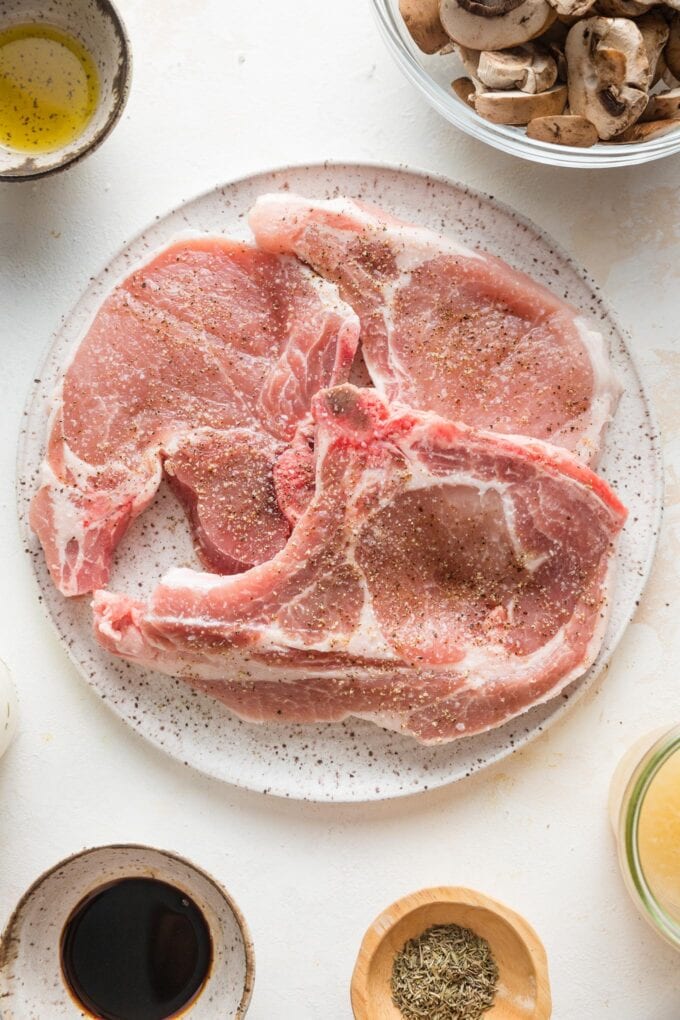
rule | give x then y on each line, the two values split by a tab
634	795
507	139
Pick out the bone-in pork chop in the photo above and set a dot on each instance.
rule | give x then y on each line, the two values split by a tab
450	330
205	360
441	581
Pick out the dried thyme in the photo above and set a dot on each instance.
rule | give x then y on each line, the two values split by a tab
447	973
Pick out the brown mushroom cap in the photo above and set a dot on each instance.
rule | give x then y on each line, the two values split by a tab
494	24
421	18
464	89
663	106
643	132
608	73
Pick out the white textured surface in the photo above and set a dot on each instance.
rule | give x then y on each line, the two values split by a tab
220	90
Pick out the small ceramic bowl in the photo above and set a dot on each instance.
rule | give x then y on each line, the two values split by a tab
98	26
32	985
523	986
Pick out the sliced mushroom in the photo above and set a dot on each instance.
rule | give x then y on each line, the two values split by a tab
621	8
649	129
564	130
527	68
608	73
555	34
464	89
572	8
567	20
655	31
672	51
553	40
560	61
468	58
520	107
661	70
495	24
421	18
664	106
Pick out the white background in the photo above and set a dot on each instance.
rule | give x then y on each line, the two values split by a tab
221	89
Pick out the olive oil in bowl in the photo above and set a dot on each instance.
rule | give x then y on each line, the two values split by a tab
49	88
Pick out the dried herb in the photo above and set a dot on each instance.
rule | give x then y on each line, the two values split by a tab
447	973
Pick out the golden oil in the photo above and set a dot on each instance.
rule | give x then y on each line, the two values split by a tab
49	88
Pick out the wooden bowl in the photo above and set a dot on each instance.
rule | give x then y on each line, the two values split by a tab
523	985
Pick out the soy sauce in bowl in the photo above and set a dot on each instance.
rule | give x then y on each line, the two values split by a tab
137	949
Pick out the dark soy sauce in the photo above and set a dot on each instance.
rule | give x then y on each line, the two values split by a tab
137	949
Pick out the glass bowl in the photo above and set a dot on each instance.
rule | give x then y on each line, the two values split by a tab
630	785
432	76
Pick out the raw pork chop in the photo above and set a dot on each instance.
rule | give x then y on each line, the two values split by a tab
450	330
441	581
204	360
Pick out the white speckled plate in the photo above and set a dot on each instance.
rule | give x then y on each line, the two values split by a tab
355	760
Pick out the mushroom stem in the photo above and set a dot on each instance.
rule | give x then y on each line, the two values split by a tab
527	68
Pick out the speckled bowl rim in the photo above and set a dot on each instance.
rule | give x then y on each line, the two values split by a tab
581	685
7	936
124	82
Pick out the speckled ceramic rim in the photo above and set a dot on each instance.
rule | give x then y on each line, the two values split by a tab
510	140
123	81
580	686
8	936
633	801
